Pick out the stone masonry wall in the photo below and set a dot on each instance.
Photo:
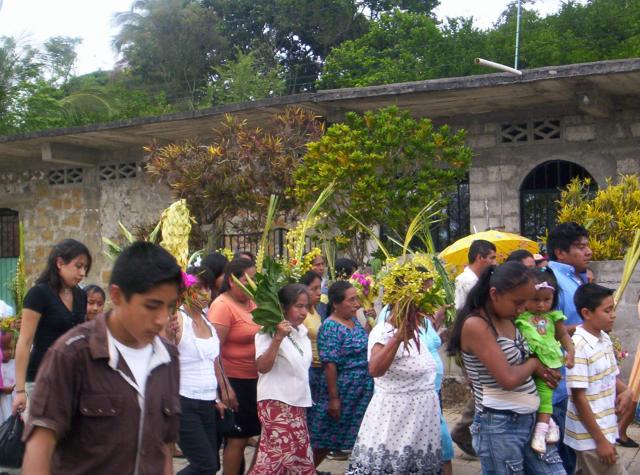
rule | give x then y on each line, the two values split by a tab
84	211
605	148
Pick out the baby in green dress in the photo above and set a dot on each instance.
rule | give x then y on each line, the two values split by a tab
544	331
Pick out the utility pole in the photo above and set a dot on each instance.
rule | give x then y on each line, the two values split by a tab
518	18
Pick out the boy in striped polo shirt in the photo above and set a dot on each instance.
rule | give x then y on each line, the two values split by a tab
596	392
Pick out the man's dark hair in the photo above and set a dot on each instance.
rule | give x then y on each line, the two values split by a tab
143	266
590	296
563	236
345	267
481	248
519	255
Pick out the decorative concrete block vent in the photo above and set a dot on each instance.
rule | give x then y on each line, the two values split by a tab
532	131
118	171
65	176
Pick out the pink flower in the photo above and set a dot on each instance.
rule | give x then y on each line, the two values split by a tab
188	280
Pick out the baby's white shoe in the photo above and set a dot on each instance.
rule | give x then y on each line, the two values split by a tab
553	434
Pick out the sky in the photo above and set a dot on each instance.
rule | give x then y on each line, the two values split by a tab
33	21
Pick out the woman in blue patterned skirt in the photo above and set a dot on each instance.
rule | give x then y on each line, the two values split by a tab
342	343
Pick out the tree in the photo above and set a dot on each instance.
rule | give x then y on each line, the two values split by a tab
60	58
19	68
234	176
403	46
386	165
174	43
249	77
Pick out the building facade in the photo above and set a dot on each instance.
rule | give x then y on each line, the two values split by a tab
530	135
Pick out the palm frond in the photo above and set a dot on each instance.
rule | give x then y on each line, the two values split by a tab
418	224
126	233
630	262
308	219
271	216
377	240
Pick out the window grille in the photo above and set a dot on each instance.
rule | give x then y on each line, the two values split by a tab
65	176
531	131
118	171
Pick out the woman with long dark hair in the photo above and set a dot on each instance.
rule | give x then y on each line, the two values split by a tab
52	307
231	316
211	272
500	366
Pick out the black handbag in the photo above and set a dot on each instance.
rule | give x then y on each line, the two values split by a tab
227	425
11	445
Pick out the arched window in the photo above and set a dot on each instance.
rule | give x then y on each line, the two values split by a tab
540	192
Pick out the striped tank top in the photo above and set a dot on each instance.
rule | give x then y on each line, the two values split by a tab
486	390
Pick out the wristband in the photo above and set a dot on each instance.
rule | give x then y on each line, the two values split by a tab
20	391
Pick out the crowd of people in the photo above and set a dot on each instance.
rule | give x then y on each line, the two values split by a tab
175	361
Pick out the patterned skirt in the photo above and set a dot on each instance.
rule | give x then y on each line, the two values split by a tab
400	433
284	444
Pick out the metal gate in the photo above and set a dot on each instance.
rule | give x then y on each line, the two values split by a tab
9	252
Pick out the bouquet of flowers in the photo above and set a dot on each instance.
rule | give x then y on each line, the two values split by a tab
366	287
309	257
619	352
413	289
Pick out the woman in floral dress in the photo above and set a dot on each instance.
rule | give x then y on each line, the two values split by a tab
400	432
342	343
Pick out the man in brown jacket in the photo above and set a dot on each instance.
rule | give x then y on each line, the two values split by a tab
106	395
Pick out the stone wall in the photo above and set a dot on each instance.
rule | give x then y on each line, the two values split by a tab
605	148
627	326
86	211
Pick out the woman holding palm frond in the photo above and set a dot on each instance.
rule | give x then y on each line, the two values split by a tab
283	360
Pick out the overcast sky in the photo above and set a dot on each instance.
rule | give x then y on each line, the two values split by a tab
34	21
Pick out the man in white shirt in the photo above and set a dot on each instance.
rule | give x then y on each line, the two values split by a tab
482	254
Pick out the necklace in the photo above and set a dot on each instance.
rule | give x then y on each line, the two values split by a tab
66	291
297	347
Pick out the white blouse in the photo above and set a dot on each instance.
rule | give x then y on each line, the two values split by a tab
197	357
288	380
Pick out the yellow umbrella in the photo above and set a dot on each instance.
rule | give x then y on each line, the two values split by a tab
456	255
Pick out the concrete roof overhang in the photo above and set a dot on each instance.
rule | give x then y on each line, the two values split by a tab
594	88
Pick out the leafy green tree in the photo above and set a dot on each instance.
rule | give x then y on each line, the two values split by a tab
404	46
60	57
249	77
19	69
173	43
386	165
